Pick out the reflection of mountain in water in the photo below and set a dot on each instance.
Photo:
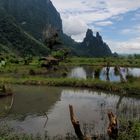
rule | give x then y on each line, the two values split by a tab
34	100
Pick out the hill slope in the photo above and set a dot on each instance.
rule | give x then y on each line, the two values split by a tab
34	15
23	32
16	40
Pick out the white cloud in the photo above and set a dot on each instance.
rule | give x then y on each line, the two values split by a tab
89	11
78	15
134	30
104	23
79	37
74	26
126	31
131	46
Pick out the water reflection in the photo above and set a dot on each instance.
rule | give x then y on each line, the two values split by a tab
4	105
78	72
111	75
90	106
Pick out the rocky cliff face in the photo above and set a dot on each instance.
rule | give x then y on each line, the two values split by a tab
34	15
94	45
14	40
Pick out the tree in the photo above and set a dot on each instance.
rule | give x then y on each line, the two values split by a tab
51	37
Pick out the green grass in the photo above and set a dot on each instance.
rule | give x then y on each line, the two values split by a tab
127	131
131	88
122	61
33	74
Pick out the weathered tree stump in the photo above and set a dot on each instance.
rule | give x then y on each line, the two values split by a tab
76	125
113	126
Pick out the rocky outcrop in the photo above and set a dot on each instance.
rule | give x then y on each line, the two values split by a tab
14	40
94	45
34	15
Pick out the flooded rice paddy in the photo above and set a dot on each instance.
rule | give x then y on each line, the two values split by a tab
32	103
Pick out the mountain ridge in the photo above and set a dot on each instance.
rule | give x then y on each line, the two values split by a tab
33	17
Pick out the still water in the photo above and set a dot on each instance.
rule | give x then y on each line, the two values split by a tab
89	72
27	114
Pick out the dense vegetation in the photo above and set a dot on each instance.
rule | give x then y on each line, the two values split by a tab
14	40
128	131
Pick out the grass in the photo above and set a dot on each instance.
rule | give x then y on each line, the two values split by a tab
33	74
121	61
132	88
127	131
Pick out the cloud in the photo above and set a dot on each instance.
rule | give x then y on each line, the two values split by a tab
78	15
104	23
134	30
89	11
96	10
136	16
79	37
126	47
73	26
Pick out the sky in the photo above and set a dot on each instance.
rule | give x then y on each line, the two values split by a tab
118	21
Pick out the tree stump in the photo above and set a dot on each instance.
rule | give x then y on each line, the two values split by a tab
113	126
76	125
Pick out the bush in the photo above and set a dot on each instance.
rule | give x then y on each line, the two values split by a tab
32	72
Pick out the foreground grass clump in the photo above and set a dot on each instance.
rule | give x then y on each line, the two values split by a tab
7	133
128	131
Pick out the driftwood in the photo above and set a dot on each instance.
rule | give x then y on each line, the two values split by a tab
76	125
113	126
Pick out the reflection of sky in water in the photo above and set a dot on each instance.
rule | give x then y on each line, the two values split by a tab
90	107
80	72
134	71
112	76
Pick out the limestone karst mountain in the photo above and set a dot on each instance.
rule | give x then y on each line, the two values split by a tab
22	27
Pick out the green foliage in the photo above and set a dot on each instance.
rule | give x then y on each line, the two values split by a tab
126	132
15	40
130	131
60	54
121	61
31	72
